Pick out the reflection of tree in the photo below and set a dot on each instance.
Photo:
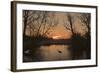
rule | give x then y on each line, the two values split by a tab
85	19
80	43
38	22
36	27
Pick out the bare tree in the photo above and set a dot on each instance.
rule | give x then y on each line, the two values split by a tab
50	22
85	19
28	18
25	16
38	22
69	23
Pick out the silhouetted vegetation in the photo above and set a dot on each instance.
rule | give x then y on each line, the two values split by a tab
69	23
39	24
80	44
80	47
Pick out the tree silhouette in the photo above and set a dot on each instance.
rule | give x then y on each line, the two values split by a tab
38	22
85	19
80	44
36	26
28	18
25	16
69	23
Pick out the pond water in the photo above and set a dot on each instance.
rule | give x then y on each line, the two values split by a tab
53	52
49	53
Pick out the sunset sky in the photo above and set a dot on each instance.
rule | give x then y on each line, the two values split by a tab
60	31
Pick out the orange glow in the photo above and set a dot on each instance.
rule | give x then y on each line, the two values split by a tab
61	36
56	37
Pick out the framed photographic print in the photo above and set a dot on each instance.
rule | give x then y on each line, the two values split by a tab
52	36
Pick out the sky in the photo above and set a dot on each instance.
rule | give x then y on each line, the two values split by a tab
60	31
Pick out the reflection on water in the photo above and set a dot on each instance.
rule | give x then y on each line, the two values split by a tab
49	53
53	52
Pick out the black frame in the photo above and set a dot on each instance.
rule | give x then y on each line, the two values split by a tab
14	35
